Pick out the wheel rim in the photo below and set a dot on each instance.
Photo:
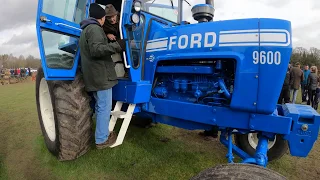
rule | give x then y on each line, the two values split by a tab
253	141
46	110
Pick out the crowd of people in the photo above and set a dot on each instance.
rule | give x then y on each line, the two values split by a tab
18	72
306	79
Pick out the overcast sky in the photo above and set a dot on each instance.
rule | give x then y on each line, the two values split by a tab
18	34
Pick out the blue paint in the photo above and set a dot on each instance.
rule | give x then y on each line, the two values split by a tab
202	5
213	82
229	145
230	155
161	92
219	65
198	93
183	85
186	69
176	85
301	141
261	151
224	88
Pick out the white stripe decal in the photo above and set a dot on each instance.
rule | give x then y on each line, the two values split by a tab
273	37
251	37
268	37
154	50
158	44
154	40
232	38
239	31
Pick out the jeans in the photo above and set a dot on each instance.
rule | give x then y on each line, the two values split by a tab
103	107
317	99
312	97
294	93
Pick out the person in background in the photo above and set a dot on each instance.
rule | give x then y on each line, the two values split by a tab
316	103
111	25
312	83
29	70
98	71
296	77
112	31
304	87
285	92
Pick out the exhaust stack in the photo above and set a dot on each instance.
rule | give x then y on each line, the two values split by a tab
210	2
203	12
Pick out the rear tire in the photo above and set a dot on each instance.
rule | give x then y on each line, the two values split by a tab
65	116
238	172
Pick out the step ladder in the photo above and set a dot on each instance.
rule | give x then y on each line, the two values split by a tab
126	116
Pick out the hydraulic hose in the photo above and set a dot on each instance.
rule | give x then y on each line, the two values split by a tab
222	85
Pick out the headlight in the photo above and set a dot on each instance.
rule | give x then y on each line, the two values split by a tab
137	6
135	18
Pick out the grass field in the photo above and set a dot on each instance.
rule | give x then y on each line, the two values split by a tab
144	154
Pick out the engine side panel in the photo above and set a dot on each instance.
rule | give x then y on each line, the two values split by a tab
205	41
273	61
241	40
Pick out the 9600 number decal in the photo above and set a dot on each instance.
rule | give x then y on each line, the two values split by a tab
268	57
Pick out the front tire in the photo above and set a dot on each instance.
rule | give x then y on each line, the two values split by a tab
238	172
248	143
65	116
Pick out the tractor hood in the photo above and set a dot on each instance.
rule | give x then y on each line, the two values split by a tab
232	35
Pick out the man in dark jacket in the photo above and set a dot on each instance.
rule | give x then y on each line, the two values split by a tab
296	77
312	84
98	71
285	92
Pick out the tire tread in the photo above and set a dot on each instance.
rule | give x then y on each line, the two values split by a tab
238	171
74	118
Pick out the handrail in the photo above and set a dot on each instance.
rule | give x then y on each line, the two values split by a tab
66	25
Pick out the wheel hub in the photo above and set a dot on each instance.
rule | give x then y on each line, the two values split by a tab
253	141
46	109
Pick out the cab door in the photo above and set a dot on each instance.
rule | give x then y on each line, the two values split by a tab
58	32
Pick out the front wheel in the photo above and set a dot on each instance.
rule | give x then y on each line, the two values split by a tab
238	172
248	143
65	116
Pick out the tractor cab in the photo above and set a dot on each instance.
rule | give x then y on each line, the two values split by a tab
59	31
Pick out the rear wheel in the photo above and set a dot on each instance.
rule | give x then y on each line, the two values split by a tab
65	116
248	143
238	172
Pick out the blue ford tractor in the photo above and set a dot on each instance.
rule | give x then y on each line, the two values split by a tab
223	76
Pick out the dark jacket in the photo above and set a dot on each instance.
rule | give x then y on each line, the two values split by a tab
296	77
287	79
109	28
313	81
96	63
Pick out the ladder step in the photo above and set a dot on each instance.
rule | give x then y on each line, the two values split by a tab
126	116
118	114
